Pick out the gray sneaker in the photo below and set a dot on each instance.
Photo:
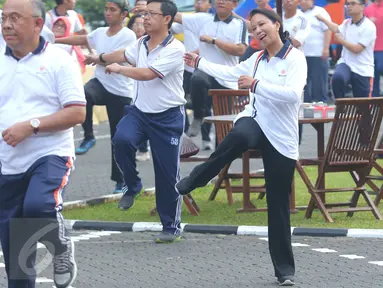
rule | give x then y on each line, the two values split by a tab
286	281
166	237
127	201
195	128
65	268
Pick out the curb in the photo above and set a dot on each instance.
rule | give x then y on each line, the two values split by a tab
99	200
220	229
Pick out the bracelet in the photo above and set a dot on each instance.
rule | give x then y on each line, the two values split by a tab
213	41
101	59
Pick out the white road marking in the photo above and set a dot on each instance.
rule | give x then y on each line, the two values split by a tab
264	238
2	265
379	263
352	257
324	250
299	245
43	280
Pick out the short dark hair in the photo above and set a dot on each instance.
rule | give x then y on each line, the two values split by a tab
38	8
59	2
167	8
132	20
363	2
274	17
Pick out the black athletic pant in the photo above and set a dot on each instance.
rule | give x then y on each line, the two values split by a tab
96	94
279	172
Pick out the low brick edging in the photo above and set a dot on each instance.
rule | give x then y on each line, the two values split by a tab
220	229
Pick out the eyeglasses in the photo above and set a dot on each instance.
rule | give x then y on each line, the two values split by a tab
14	18
150	14
62	26
352	4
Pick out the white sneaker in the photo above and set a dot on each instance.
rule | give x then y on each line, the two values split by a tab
142	156
207	145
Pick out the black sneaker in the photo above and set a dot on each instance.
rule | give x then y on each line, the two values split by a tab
286	281
64	267
184	186
127	201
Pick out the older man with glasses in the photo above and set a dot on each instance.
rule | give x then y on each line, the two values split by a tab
37	113
357	35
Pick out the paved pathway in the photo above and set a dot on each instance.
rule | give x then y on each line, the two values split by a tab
91	177
133	260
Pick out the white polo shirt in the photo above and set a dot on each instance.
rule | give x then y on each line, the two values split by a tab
298	28
75	22
191	40
231	30
315	39
275	96
363	32
99	40
166	60
40	84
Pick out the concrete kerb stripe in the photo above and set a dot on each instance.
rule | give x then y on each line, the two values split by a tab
260	231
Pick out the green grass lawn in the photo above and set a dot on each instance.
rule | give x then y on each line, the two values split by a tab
219	212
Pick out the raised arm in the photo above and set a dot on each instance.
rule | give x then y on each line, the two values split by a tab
226	73
73	40
331	25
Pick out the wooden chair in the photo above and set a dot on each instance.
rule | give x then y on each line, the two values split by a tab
232	102
350	149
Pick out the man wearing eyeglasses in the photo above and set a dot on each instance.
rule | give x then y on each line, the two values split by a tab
357	35
223	39
41	99
113	91
157	113
46	33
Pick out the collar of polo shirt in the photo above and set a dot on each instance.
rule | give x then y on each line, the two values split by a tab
359	22
281	54
227	20
166	41
57	14
38	50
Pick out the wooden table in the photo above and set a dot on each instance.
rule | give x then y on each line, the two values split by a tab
317	123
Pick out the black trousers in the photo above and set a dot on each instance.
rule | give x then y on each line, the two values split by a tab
96	94
279	172
202	103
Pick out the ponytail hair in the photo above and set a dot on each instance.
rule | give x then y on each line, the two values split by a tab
274	17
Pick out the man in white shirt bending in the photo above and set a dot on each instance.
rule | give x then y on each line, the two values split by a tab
295	23
114	91
157	114
317	50
191	42
357	35
223	39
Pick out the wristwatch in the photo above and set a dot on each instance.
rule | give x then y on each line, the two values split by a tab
35	123
213	41
102	59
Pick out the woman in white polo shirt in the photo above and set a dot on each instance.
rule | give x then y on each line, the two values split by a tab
275	77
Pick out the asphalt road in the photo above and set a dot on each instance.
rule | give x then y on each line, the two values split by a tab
133	260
